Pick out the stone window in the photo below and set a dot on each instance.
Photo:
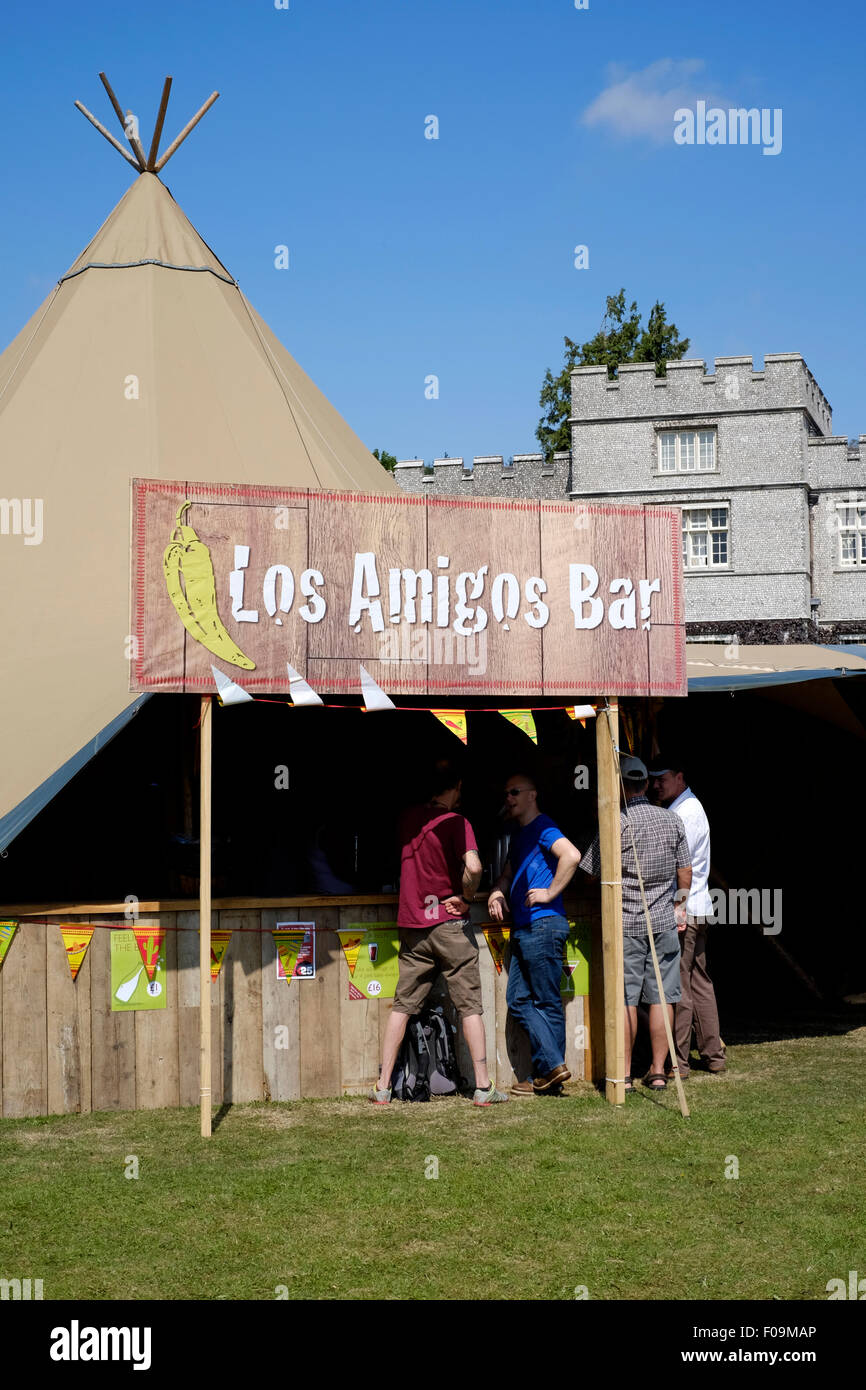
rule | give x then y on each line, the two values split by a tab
687	451
852	533
706	538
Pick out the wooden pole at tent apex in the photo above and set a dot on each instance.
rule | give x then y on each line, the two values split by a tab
610	844
204	910
175	144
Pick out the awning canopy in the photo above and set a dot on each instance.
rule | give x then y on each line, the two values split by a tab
716	666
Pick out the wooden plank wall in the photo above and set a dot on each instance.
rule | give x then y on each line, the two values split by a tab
62	1050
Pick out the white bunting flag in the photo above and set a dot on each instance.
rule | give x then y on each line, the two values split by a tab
374	697
299	692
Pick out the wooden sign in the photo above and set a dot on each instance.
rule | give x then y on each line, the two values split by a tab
433	596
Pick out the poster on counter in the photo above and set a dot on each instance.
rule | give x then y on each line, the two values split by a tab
130	987
300	936
375	959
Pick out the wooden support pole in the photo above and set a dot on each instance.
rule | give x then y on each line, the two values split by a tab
607	736
110	138
136	146
185	132
204	909
157	130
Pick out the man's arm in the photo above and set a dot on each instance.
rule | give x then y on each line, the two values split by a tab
497	903
567	860
458	905
684	883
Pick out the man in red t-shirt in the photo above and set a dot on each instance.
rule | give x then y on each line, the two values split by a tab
439	873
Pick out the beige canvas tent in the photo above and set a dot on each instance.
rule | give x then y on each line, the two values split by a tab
145	360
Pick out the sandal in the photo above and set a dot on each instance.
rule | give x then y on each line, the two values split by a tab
654	1077
629	1086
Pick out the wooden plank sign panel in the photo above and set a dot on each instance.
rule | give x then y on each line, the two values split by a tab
433	595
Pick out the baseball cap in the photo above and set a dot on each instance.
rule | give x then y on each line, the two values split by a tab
633	770
666	763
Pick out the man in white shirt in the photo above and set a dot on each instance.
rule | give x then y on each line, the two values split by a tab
697	1006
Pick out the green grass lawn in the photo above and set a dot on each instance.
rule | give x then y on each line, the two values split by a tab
533	1198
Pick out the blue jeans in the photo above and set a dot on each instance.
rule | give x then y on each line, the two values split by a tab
533	995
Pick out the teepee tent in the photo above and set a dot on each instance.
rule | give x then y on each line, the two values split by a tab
145	360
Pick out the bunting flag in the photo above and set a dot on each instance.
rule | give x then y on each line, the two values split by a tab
351	943
453	719
355	993
288	944
374	696
149	941
219	944
76	939
497	939
299	692
229	692
7	931
581	713
521	719
575	960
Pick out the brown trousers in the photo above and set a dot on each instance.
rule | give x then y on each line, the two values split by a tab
697	1005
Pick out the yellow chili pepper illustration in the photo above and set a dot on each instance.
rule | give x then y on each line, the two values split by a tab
191	587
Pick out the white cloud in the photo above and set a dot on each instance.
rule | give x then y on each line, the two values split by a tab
644	102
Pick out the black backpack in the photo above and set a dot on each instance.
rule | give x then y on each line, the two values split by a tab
427	1062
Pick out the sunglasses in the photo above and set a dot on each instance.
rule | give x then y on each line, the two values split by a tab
516	791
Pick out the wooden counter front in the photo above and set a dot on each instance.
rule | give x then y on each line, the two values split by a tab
65	1051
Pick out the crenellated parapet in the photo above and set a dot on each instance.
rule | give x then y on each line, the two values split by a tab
688	389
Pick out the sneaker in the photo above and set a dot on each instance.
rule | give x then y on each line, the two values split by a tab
382	1097
489	1097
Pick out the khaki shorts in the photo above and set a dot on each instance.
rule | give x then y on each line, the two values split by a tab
448	949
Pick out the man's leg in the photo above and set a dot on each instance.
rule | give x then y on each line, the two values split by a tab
658	1036
456	950
667	945
684	1014
416	972
540	947
704	1004
518	996
395	1030
473	1032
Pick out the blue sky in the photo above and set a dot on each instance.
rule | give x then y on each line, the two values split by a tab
454	257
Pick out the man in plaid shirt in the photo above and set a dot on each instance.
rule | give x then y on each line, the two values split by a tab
662	854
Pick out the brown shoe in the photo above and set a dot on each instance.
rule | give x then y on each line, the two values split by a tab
523	1088
553	1078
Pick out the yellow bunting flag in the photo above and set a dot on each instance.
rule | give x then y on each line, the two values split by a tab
149	941
7	931
351	943
219	944
521	719
496	938
76	939
288	944
453	719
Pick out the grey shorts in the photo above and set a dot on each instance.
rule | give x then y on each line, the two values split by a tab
640	977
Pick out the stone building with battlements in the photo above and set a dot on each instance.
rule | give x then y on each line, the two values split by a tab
773	504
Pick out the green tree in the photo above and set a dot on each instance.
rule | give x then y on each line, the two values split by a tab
621	338
388	461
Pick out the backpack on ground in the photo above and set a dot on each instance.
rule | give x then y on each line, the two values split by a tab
427	1062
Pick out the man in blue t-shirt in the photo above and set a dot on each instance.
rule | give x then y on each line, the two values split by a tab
541	862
